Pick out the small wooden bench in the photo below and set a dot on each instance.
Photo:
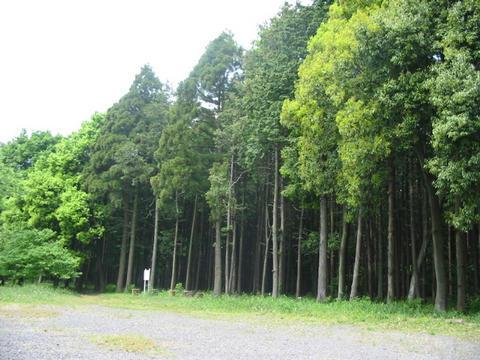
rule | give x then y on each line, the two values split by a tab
135	291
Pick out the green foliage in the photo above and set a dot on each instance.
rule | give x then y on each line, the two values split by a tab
217	195
49	214
321	120
22	152
182	168
42	197
179	288
122	155
455	90
216	71
30	253
74	217
270	74
310	243
333	241
9	184
361	97
196	156
53	197
362	150
184	152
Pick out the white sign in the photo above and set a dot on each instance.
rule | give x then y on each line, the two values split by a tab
146	275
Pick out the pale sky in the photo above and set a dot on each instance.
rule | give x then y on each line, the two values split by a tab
62	60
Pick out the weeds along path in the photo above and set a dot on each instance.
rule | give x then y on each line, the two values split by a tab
99	332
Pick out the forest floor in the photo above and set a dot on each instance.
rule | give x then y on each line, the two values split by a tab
40	324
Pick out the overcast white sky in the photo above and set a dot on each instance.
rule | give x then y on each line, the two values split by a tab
60	61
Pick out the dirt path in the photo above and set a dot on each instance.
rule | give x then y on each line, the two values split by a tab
94	332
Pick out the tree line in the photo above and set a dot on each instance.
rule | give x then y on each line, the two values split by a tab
339	157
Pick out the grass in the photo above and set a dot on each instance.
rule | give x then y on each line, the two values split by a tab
38	294
129	343
25	311
398	316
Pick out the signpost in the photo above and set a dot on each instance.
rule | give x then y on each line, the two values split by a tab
146	277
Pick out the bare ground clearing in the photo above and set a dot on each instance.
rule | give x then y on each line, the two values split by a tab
98	332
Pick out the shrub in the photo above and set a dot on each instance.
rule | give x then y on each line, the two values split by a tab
31	253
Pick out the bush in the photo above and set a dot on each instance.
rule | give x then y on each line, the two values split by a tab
110	288
474	305
30	253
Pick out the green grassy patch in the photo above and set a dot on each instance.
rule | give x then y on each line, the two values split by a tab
25	311
398	316
129	343
37	294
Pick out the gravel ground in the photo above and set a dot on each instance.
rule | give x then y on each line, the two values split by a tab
52	333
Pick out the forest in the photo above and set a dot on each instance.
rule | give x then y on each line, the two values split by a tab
338	158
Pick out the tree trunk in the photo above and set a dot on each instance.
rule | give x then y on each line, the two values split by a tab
288	260
299	254
476	284
322	252
190	246
414	288
380	259
332	253
461	284
233	260
123	249
449	267
173	279
258	246
217	285
100	280
210	250
426	236
275	229
437	239
199	264
370	264
131	252
100	283
342	257
358	248
151	281
201	252
227	252
391	235
240	250
439	261
227	240
415	281
267	240
281	265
